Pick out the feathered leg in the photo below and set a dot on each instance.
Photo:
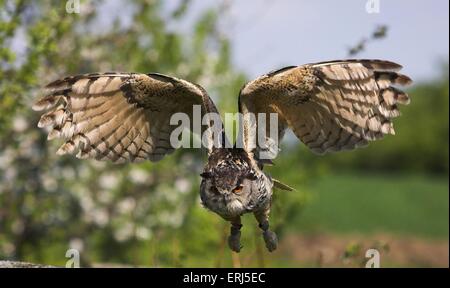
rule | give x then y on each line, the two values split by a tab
234	240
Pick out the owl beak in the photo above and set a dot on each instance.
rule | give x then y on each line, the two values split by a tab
228	197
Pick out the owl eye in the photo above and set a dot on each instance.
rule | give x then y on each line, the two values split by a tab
237	189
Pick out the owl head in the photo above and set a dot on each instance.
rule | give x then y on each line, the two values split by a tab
229	185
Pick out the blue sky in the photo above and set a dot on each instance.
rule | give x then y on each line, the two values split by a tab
269	34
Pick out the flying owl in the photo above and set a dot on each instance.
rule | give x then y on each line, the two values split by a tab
125	117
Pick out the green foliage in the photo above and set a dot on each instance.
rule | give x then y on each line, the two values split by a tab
374	203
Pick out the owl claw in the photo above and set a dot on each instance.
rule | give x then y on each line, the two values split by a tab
234	242
271	240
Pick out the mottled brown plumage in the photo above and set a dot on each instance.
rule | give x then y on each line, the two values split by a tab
330	106
125	117
119	117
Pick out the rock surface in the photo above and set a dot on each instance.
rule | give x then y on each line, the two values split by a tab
16	264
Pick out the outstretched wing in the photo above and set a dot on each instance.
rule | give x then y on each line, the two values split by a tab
118	116
330	106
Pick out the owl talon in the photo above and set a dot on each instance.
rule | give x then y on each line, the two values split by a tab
271	240
234	242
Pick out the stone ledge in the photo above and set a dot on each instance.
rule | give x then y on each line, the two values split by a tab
16	264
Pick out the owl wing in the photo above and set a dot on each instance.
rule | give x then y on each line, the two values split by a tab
330	106
122	117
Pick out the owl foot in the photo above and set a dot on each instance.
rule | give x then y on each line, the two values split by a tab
234	240
270	238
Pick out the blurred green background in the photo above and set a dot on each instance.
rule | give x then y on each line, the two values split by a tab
392	196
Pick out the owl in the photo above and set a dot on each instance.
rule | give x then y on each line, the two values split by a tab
126	117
